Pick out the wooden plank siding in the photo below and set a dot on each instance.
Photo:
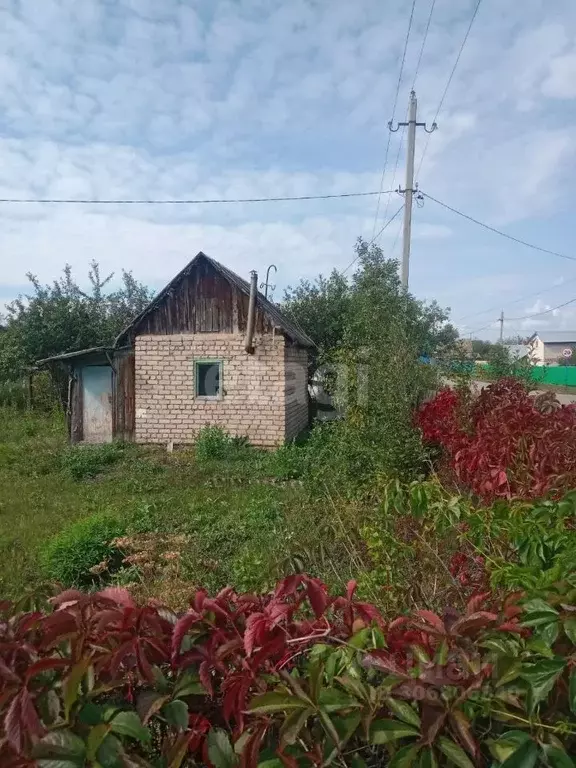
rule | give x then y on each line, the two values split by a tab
76	407
203	301
123	389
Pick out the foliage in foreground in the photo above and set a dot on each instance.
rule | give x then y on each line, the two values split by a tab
291	678
505	443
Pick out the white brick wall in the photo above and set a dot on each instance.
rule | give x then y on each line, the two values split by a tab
254	402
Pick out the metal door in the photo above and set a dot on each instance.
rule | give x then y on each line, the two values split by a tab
97	400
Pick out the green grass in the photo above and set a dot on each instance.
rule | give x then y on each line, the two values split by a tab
234	507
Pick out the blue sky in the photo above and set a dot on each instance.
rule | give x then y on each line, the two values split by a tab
243	98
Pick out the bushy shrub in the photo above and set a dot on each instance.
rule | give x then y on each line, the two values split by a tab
86	461
214	442
287	462
68	557
507	444
291	678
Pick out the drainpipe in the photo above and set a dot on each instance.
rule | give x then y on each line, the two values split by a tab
249	343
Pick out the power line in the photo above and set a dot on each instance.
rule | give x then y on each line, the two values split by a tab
499	232
517	301
546	312
417	70
477	330
423	45
393	114
86	201
450	78
387	224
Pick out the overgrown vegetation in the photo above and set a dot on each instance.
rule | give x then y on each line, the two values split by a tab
290	678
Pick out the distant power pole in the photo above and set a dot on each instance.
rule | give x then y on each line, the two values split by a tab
409	189
501	321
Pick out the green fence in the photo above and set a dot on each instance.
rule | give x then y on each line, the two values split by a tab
558	375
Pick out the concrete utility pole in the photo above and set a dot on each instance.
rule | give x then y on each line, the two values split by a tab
409	189
501	321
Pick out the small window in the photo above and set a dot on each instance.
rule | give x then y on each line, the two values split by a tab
208	378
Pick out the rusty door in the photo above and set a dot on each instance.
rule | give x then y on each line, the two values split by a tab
97	403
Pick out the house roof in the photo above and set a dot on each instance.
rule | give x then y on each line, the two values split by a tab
289	327
518	351
78	353
557	337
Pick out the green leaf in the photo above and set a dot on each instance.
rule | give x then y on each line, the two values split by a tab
538	618
556	757
539	646
570	629
357	762
108	755
548	632
537	605
60	749
428	759
526	756
129	724
176	713
293	724
189	685
220	749
541	678
333	700
454	753
72	684
572	691
507	744
385	731
405	757
90	714
403	711
275	702
96	736
315	673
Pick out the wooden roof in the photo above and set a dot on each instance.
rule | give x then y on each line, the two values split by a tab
278	319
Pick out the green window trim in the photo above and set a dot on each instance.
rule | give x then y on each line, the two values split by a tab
199	379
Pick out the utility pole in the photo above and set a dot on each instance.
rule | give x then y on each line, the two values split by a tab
409	189
501	321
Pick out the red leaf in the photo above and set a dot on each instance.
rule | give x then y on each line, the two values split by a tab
180	630
13	726
351	588
431	618
317	596
206	677
470	624
287	760
44	665
255	623
249	757
69	596
288	586
7	673
476	601
381	660
118	595
369	613
510	626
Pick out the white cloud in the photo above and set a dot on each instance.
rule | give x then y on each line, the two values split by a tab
137	98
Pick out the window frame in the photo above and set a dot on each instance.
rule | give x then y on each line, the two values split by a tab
209	361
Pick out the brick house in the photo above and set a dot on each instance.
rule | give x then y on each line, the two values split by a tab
208	350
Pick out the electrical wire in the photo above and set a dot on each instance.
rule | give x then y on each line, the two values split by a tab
449	83
477	330
538	314
517	301
499	232
423	45
410	20
64	201
387	224
417	70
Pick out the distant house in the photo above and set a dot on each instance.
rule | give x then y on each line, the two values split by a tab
547	347
518	351
208	350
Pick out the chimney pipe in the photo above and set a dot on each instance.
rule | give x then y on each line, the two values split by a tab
249	343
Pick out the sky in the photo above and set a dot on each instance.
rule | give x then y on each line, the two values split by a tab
254	98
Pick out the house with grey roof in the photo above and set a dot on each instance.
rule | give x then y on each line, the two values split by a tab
548	346
208	350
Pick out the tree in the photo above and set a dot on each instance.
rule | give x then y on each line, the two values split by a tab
61	317
481	349
320	307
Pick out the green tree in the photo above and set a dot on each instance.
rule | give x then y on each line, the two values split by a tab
320	308
61	317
